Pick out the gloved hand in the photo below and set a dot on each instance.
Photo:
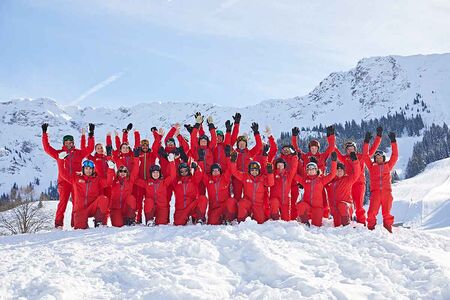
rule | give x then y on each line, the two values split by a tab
108	150
227	150
269	168
379	131
237	118
129	126
228	125
295	131
183	155
198	118
210	123
153	129
171	157
234	156
162	153
333	156
353	156
44	127
201	154
194	165
188	127
392	137
137	152
91	129
255	128
368	137
111	164
313	159
330	131
62	154
266	150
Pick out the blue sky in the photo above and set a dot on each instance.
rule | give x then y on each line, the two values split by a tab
119	53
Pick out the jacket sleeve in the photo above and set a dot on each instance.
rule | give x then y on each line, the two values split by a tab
90	147
273	148
258	147
375	145
108	140
198	175
183	143
83	142
201	131
327	178
156	142
171	174
294	142
125	137
341	157
47	148
227	140
234	134
213	142
194	139
170	134
234	171
331	146
365	155
117	141
394	156
299	179
137	139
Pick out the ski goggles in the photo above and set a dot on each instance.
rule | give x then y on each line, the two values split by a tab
88	163
68	138
311	166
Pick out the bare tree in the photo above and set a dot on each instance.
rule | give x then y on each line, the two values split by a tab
28	217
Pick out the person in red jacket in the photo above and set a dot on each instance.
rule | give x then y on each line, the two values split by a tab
280	196
222	142
122	204
244	157
287	153
319	157
68	158
188	203
314	183
156	206
380	184
88	200
222	207
339	191
254	184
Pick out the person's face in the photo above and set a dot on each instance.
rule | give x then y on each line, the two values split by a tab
311	171
220	138
122	172
254	172
242	145
170	144
184	172
68	144
99	149
340	172
144	147
155	174
350	149
215	172
379	159
88	171
286	151
203	143
124	149
280	166
314	149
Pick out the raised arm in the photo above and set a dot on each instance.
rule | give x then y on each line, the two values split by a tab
355	166
91	142
394	156
45	143
376	142
212	131
273	148
331	139
137	139
258	147
327	178
235	133
156	140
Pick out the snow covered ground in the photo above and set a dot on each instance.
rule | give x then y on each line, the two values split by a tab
276	260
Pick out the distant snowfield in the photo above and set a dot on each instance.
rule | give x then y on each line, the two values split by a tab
276	260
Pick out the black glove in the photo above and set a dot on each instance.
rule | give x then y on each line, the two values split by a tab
266	150
333	156
137	151
194	165
255	128
201	154
237	118
234	156
391	136
188	127
44	127
269	168
153	129
210	125
162	152
227	150
379	131
91	129
368	137
108	150
295	131
183	155
353	156
330	131
313	159
129	126
228	125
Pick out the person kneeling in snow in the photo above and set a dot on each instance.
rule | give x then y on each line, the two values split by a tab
88	200
339	191
254	185
380	184
313	184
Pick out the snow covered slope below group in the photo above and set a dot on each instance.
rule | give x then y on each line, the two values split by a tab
375	87
276	260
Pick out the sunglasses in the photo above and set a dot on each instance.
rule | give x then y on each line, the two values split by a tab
184	171
123	171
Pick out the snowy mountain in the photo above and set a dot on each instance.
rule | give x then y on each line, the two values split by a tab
375	87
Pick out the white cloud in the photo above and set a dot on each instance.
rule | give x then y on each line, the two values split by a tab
97	88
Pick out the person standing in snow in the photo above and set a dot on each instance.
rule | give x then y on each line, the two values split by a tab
314	183
68	158
380	184
339	191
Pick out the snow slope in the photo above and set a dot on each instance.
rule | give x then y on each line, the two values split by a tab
424	200
276	260
375	87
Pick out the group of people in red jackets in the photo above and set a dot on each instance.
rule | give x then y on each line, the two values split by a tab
217	179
